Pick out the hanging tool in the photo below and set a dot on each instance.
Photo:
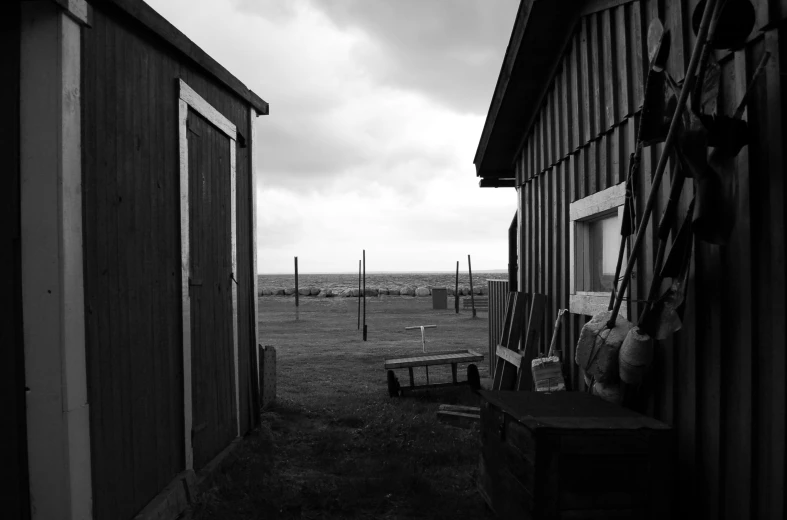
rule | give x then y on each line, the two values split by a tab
601	330
658	52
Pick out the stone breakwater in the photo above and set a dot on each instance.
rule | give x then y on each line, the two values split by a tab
408	290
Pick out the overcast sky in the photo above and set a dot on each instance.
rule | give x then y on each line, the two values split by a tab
377	107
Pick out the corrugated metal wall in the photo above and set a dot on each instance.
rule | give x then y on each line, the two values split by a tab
720	381
498	299
132	257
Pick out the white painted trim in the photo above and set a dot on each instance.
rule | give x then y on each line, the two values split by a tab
598	202
587	209
234	281
572	281
255	277
520	263
206	110
189	99
185	273
58	415
78	10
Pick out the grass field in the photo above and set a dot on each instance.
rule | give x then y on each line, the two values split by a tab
335	445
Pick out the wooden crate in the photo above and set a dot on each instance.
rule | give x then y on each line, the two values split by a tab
570	455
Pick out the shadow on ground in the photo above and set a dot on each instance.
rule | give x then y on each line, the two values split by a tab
335	445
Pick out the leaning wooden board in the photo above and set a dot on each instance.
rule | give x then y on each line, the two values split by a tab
571	455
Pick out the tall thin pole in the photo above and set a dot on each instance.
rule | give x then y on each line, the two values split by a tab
296	281
297	309
472	298
456	290
364	294
359	295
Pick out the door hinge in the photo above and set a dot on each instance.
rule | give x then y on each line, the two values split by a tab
195	282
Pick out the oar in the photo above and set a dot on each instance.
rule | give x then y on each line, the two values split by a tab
662	165
665	225
588	346
658	52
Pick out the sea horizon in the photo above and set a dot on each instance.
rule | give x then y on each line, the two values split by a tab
368	272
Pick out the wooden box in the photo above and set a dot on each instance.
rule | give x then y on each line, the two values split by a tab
571	455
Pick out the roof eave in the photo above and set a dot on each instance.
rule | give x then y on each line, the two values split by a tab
541	31
159	25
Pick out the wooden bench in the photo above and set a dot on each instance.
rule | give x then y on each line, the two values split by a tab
481	302
446	357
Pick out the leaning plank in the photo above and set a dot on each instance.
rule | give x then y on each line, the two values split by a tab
506	372
534	324
510	356
460	408
460	419
432	386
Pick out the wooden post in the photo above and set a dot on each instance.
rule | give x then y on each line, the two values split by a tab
364	294
472	297
456	290
359	295
297	309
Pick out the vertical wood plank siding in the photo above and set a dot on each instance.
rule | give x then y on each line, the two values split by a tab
498	297
132	257
720	381
13	453
213	387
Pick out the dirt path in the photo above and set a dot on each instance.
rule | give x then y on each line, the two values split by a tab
335	445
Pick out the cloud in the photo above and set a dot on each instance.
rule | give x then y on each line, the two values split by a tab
376	111
449	50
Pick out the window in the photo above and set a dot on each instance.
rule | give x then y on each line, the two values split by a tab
594	244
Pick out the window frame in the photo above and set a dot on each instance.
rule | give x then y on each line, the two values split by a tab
581	213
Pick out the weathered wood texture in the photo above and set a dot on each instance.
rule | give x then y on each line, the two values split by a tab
132	256
720	381
571	455
498	296
14	494
213	385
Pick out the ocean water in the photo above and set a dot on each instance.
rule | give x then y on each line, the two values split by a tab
378	280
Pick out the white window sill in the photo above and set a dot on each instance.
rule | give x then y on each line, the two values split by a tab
591	303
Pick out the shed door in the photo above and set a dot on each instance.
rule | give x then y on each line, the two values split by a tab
210	289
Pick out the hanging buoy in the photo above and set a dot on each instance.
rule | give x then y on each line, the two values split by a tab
635	356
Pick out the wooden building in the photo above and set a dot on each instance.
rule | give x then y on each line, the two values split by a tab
560	128
129	359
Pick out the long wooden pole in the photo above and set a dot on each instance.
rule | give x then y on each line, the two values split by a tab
472	297
364	294
296	281
359	295
456	290
688	83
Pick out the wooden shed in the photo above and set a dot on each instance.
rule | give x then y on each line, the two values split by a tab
560	128
129	353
